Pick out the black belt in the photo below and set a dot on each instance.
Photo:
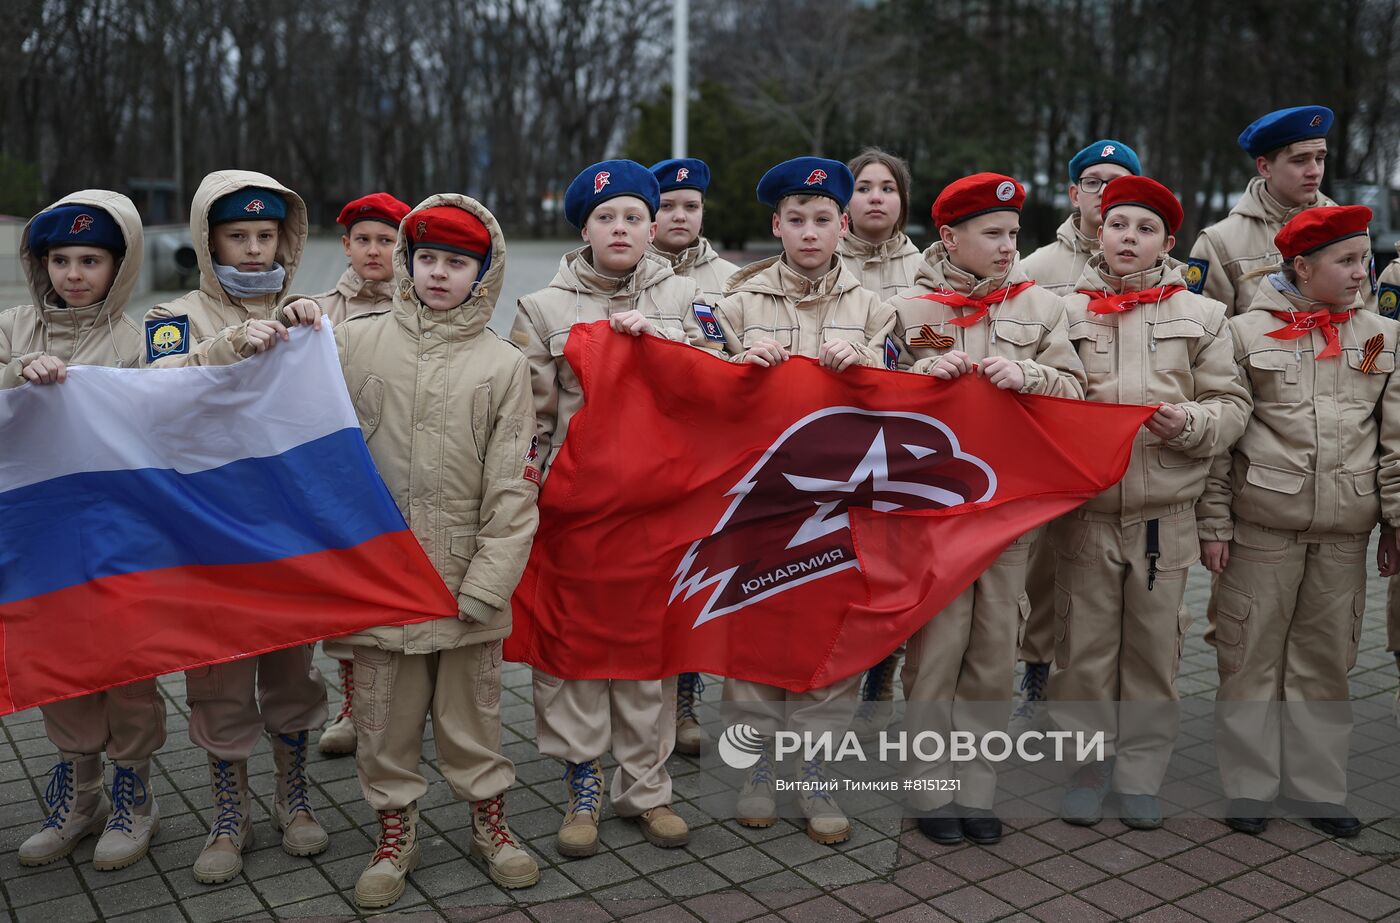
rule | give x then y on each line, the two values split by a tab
1154	551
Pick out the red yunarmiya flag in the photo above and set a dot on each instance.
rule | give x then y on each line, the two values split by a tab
785	525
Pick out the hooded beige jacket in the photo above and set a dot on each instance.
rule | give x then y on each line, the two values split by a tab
887	268
701	263
100	334
769	300
1059	264
218	322
1029	328
353	295
445	408
1320	454
580	294
1241	242
1176	351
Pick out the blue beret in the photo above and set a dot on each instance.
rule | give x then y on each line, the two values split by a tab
605	180
75	226
684	173
1104	151
250	203
807	176
1280	129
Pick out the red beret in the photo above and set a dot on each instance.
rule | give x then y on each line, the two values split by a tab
1317	227
377	206
977	195
1144	193
447	227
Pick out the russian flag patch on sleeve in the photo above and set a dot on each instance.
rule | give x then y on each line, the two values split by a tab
705	316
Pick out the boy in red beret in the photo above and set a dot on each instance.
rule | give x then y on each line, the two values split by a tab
1286	517
371	230
973	310
1122	557
450	426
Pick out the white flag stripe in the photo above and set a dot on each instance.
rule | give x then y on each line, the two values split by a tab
104	419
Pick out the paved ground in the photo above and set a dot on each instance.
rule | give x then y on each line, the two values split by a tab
1043	870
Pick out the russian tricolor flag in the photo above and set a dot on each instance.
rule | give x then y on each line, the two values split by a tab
156	520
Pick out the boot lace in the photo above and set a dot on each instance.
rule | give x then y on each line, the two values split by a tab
347	685
230	819
688	689
124	797
58	794
1032	690
875	679
812	774
761	772
585	786
392	833
297	800
492	813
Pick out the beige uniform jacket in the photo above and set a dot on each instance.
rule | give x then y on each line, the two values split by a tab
445	408
1059	264
1177	351
1029	328
353	295
100	334
701	263
218	322
1321	452
886	269
768	300
579	294
1239	243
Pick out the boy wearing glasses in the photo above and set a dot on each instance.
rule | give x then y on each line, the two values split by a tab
1058	265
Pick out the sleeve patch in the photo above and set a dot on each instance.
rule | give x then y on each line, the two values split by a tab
1196	271
1388	300
167	336
705	317
891	352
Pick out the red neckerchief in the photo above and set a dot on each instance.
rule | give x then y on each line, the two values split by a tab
983	305
1302	323
1101	303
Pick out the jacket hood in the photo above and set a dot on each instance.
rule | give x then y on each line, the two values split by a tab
1097	277
123	211
936	271
697	254
861	249
774	277
576	274
1076	240
1257	203
290	243
1268	297
472	315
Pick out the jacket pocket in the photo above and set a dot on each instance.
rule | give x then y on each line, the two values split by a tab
1173	341
461	548
1279	480
1017	333
1366	387
369	404
564	372
1365	481
1168	457
374	685
1275	376
1230	621
1094	343
481	418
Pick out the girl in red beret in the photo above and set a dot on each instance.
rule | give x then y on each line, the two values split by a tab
1286	518
1122	558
